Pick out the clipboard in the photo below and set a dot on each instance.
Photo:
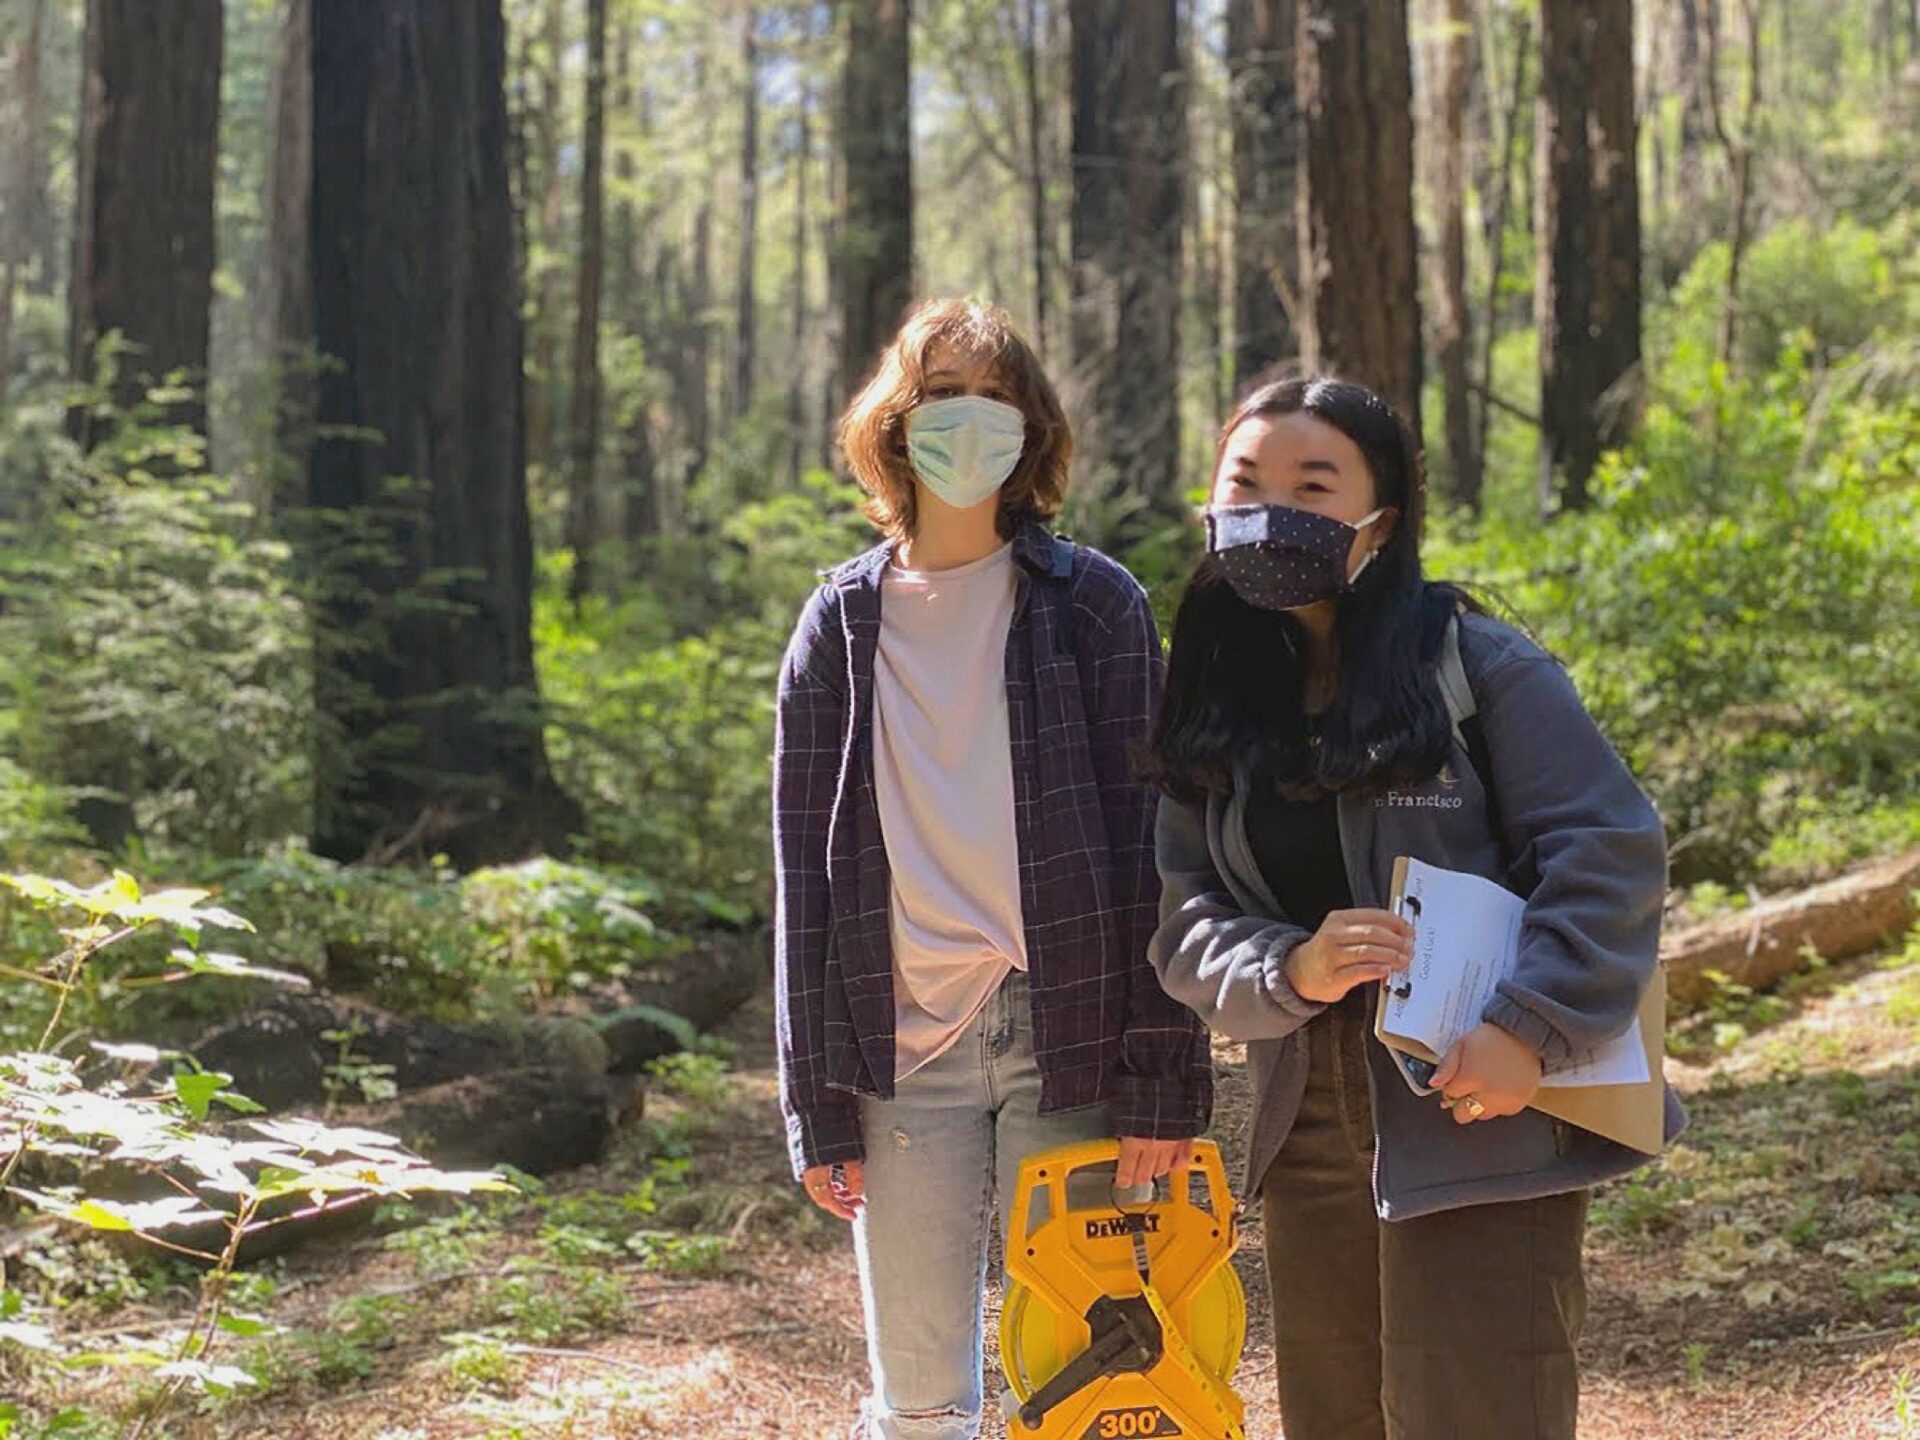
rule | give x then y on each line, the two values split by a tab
1633	1115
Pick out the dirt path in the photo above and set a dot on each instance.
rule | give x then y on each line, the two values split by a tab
1763	1283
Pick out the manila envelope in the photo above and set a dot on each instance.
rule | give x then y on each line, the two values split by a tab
1632	1115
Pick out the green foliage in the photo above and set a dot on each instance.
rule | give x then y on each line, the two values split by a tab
555	1306
1826	290
663	702
495	942
157	655
1742	608
226	1179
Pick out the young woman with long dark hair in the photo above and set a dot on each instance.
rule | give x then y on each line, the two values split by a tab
1327	710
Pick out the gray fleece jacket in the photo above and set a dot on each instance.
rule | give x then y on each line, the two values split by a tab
1588	853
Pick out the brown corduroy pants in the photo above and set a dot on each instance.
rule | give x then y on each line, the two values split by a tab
1460	1325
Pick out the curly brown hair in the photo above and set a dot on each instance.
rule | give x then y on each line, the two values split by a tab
873	429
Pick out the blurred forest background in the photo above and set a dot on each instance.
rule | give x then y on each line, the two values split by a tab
416	416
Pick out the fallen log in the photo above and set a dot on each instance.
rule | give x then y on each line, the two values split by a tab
701	986
540	1119
302	1049
1759	947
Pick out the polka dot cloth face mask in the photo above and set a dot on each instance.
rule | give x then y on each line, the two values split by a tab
1280	558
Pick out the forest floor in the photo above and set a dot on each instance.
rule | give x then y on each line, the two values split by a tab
1763	1281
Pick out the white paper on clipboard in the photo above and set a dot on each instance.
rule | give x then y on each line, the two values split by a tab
1466	941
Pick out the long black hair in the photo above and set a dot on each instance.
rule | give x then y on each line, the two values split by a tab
1237	673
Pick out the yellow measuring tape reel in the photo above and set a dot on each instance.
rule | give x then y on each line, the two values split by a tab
1121	1322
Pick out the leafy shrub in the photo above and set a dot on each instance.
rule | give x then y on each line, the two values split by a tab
1825	288
157	655
1745	625
497	941
663	704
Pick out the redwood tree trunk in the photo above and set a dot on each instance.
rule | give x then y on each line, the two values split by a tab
143	222
1129	153
1587	295
1358	256
583	495
416	304
874	254
1266	150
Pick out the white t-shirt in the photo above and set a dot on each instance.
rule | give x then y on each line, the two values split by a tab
943	777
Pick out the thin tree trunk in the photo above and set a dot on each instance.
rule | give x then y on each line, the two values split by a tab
875	254
543	393
639	511
1266	149
1696	123
1587	295
583	493
1037	174
1359	254
1739	151
797	340
433	729
832	395
143	227
1202	261
9	272
1649	107
699	346
749	210
33	217
1450	325
1497	228
286	304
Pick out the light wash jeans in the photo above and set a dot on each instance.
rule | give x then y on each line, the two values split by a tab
939	1155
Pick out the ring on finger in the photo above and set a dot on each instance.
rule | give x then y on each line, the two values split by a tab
1476	1107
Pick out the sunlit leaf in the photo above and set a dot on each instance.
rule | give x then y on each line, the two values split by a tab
119	1215
215	962
27	1335
214	1379
133	1053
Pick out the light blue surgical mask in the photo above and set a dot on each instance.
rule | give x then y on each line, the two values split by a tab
965	447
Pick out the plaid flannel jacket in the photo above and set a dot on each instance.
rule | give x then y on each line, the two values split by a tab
1083	671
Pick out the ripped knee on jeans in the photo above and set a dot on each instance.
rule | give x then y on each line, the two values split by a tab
937	1423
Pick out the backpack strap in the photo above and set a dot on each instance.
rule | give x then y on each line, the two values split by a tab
1464	711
